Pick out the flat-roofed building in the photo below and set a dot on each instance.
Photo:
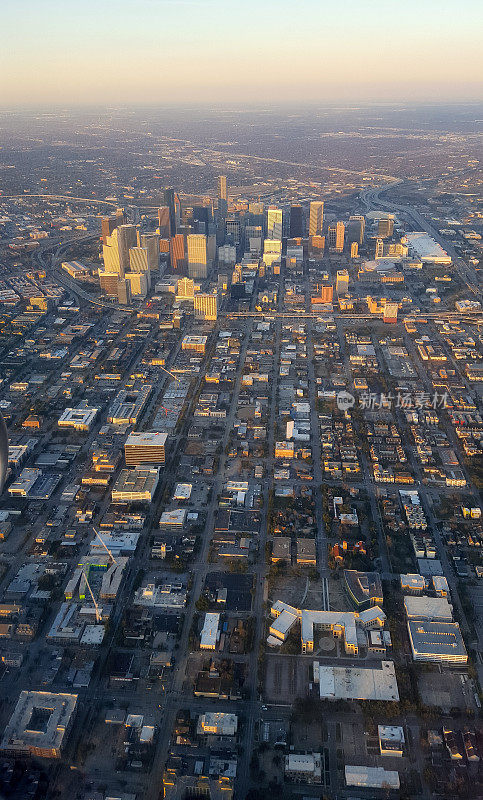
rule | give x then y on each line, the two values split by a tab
440	586
436	609
218	723
81	419
40	724
196	343
412	582
306	551
136	485
145	447
128	405
75	269
359	683
371	777
205	306
391	740
342	624
175	518
425	247
304	767
364	588
209	631
440	642
182	491
281	549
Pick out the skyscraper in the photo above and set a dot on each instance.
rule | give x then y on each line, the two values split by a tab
355	229
170	202
342	282
233	231
126	238
379	250
110	223
110	255
274	222
197	255
316	218
206	306
150	241
354	250
138	259
335	235
124	292
222	189
296	220
385	226
177	252
326	293
164	222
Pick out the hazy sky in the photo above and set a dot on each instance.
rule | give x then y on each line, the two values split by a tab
154	51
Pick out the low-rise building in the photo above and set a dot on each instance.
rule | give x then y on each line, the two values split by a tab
371	777
303	767
217	723
40	724
440	642
391	740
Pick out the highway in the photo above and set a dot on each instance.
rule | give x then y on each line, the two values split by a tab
371	199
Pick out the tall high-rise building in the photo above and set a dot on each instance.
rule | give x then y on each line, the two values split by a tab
274	223
316	246
150	241
227	255
185	289
108	282
205	306
335	236
326	293
138	259
164	222
110	255
124	292
379	250
233	231
355	229
177	252
197	255
126	238
296	220
110	223
354	250
316	218
342	282
385	226
222	188
170	202
138	283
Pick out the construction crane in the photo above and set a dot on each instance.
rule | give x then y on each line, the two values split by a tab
169	373
98	613
104	545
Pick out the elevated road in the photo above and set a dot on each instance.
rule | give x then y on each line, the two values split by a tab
371	199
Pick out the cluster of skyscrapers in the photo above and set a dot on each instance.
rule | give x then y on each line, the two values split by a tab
195	234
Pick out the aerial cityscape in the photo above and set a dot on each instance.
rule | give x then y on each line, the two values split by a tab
241	403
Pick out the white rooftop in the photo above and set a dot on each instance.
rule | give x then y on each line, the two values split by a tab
359	683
